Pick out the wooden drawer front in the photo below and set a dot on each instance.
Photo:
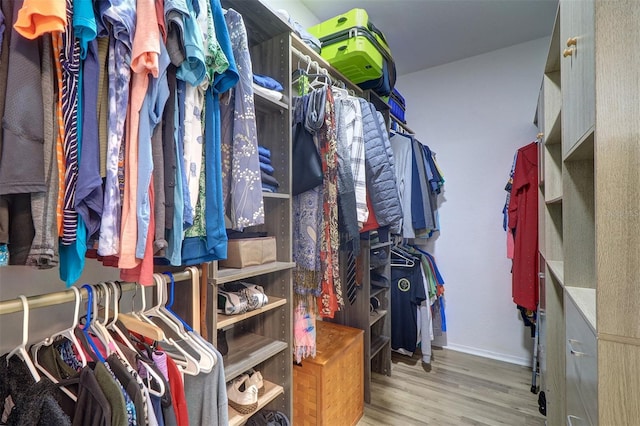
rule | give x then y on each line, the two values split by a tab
582	360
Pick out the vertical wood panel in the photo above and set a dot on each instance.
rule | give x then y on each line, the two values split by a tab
618	167
619	383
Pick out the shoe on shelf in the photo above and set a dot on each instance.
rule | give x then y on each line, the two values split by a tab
255	378
242	396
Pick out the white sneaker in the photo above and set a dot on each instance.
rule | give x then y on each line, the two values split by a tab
255	378
242	396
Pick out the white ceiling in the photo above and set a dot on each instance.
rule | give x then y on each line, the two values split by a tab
427	33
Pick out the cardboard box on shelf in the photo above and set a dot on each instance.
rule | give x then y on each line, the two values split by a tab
249	252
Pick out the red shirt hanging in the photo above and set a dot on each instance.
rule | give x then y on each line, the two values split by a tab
523	223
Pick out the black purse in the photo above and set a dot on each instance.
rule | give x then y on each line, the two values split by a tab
306	162
306	167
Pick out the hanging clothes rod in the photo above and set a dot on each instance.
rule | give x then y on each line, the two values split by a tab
307	59
67	296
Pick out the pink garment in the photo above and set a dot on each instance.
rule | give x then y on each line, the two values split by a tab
146	50
510	244
304	333
143	272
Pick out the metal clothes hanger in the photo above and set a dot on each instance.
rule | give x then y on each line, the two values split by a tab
21	350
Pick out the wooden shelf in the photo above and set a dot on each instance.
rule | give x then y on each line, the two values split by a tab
376	291
552	108
266	104
585	300
247	351
279	195
227	320
271	392
377	343
557	269
555	200
228	275
381	245
402	125
583	149
375	316
553	57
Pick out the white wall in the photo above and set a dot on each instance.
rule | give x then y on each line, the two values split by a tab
475	113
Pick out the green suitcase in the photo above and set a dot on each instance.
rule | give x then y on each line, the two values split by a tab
356	48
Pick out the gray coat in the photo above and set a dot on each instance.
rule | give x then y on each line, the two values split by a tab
381	182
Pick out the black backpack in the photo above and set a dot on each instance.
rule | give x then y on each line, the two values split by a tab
268	418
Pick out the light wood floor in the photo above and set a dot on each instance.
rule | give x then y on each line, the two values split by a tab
460	389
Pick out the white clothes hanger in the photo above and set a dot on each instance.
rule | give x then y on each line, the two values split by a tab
112	345
408	262
21	350
208	357
187	364
67	333
206	361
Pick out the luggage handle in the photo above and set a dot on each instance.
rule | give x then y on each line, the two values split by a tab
377	31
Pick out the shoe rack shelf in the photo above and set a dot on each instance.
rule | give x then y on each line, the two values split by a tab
377	323
249	350
227	320
271	392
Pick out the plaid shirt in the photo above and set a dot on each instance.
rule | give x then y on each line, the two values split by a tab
354	132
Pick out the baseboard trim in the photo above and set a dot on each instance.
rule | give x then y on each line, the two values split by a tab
489	354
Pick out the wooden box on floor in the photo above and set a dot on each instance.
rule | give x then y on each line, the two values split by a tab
329	389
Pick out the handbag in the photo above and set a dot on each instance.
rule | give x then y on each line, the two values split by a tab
306	163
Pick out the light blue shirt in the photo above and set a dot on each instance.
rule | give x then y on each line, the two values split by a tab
150	117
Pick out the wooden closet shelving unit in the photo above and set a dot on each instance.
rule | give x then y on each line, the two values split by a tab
590	192
262	339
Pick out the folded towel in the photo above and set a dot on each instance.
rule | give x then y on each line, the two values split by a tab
267	82
264	151
268	188
268	93
266	168
265	160
268	179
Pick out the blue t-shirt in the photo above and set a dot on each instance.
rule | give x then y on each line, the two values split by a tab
407	293
193	69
